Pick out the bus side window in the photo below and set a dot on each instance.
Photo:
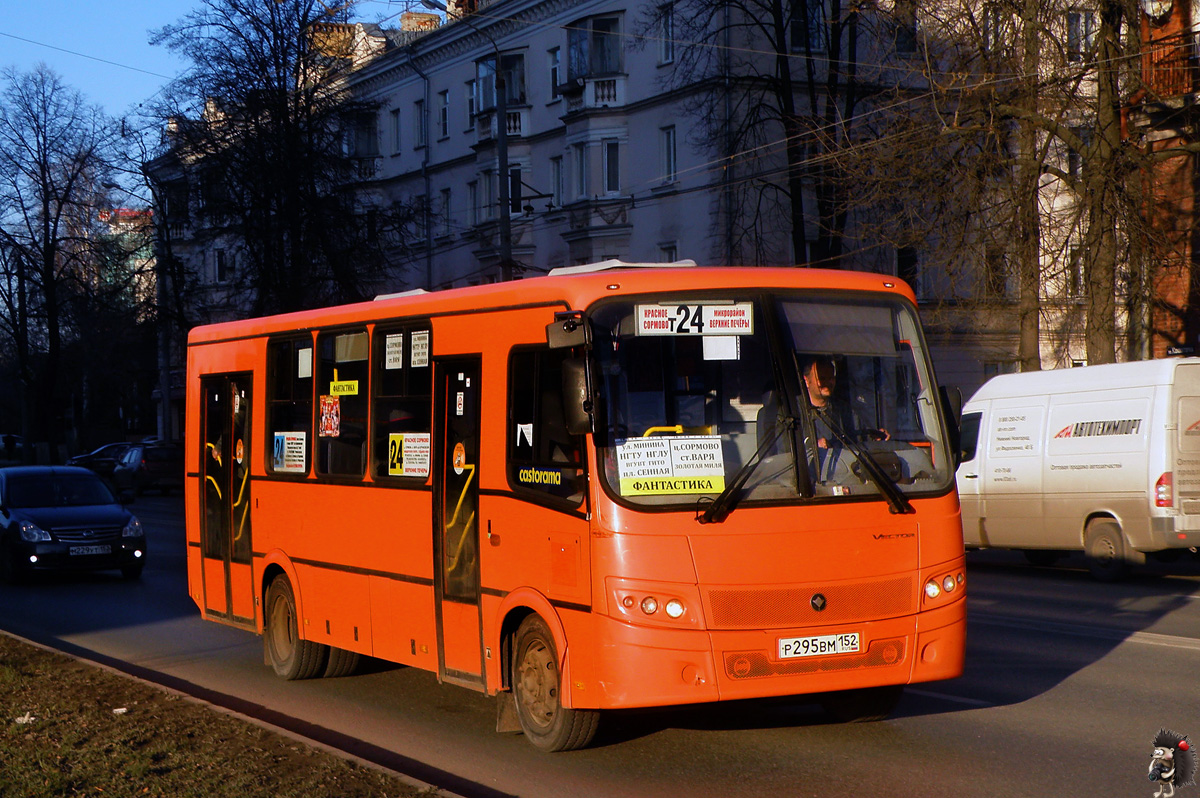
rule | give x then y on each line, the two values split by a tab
542	455
342	385
289	406
402	386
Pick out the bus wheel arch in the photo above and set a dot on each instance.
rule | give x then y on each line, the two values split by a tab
516	607
1108	553
538	679
289	655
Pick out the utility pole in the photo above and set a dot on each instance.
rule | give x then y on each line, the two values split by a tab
501	110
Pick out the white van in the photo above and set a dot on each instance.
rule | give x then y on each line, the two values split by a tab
1104	459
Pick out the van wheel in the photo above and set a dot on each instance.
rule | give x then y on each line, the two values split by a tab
864	705
290	657
537	692
1107	557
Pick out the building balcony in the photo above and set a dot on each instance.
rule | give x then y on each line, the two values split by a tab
1169	67
485	123
594	92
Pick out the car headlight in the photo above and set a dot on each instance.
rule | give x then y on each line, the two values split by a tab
33	533
133	529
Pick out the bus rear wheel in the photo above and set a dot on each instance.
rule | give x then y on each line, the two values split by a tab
537	693
290	656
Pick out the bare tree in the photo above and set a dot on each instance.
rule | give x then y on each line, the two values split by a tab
59	264
262	137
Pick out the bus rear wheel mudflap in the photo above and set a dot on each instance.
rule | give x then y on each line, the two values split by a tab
537	693
290	656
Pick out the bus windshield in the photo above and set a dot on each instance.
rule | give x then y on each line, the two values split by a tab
784	396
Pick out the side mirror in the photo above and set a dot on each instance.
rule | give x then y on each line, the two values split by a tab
952	405
577	400
568	330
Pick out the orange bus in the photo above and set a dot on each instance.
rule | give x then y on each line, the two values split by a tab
613	486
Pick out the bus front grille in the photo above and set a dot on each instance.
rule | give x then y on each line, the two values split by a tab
783	607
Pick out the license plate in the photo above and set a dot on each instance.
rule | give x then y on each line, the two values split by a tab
821	645
76	550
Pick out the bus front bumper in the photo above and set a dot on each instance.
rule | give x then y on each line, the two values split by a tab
640	667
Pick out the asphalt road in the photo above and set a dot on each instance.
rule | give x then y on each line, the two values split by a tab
1067	682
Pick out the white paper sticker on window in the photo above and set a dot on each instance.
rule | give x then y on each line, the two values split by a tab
304	363
419	344
671	465
288	457
408	454
393	355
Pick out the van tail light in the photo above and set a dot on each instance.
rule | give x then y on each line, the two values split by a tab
1164	492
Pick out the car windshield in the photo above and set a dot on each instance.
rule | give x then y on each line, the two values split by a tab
57	490
784	397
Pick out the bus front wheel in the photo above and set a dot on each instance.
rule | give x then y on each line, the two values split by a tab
537	692
290	656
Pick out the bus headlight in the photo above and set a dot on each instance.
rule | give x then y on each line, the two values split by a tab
932	590
649	605
674	608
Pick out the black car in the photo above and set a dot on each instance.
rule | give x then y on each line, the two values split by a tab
102	460
149	465
65	518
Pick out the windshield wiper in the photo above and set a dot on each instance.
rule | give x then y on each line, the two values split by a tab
722	506
897	501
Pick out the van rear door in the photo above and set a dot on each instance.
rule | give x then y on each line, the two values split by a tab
1186	440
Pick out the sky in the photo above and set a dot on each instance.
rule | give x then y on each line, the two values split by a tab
100	49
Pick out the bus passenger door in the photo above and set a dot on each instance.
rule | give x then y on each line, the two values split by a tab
225	498
456	522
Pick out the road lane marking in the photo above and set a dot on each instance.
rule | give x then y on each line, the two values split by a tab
957	699
1080	630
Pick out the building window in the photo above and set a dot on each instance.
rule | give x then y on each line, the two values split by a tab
809	29
995	25
612	167
908	267
906	26
580	169
473	203
594	47
445	212
515	204
666	33
1074	275
395	133
488	178
513	66
556	181
553	58
443	114
1074	155
419	122
222	267
995	275
470	88
1081	34
668	253
666	144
